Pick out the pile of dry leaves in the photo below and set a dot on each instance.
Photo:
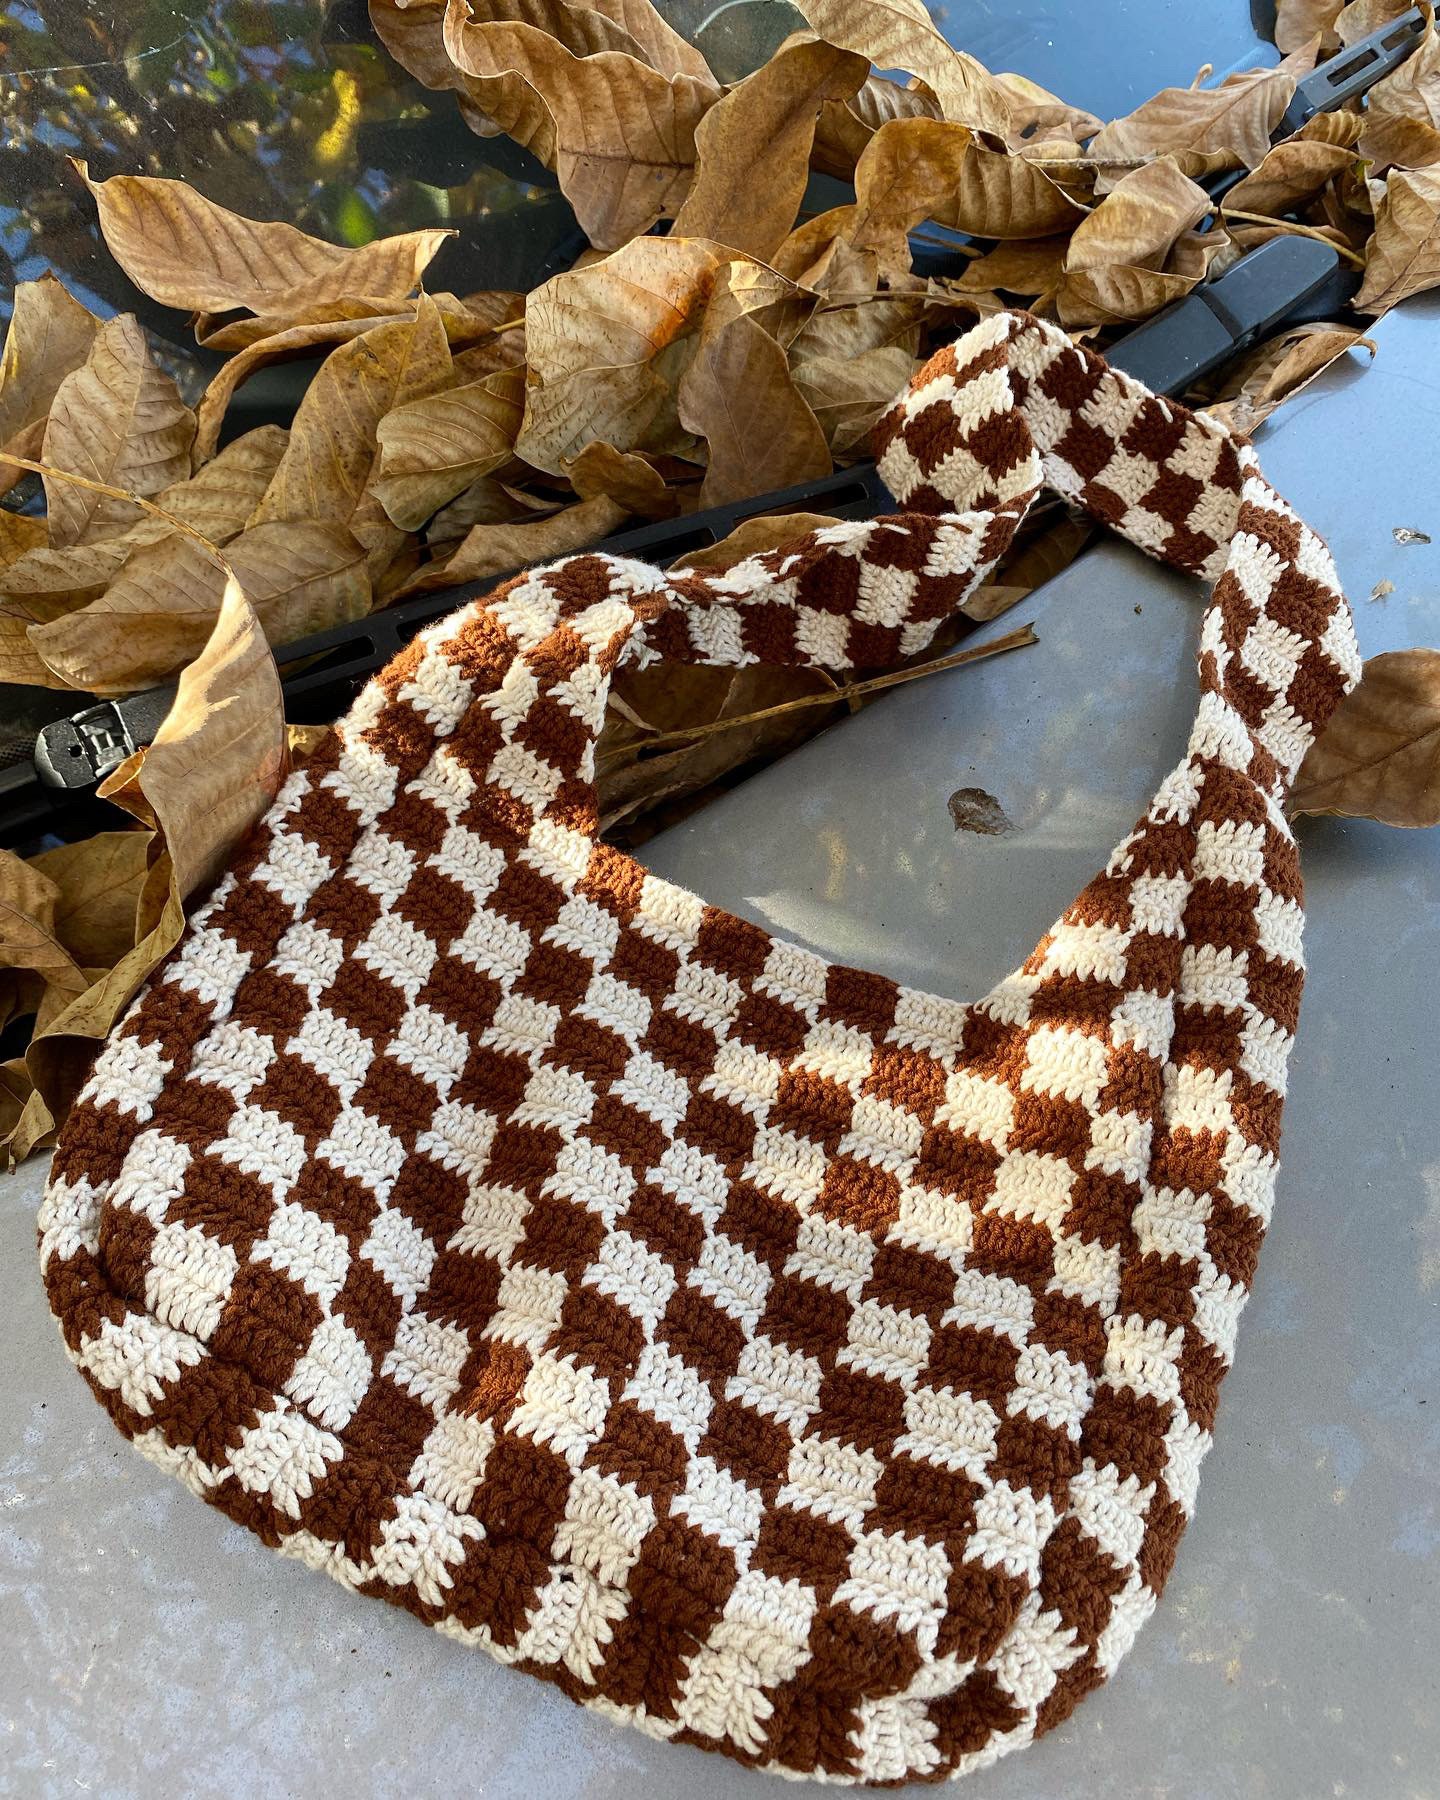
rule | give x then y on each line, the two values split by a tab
751	346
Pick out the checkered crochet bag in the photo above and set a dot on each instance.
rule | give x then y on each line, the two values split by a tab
778	1359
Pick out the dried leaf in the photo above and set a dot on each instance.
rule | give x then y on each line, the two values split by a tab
489	551
607	346
433	448
1290	175
1116	266
299	575
845	127
1361	17
900	34
738	394
219	756
18	660
846	329
1404	254
49	336
1238	115
1413	91
1379	757
413	31
619	135
488	501
975	809
660	44
752	537
117	419
19	534
1027	266
328	463
1405	143
1279	369
99	881
186	251
1300	22
848	394
601	471
15	1090
1037	114
29	939
777	106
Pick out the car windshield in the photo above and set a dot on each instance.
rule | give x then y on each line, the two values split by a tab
294	112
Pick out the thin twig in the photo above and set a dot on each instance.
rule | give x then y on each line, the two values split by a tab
847	691
115	493
1296	229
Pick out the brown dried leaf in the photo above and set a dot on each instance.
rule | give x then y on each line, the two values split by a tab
1300	22
1413	91
607	346
299	575
49	336
433	448
488	551
1118	263
219	757
845	127
186	251
1026	266
1361	17
777	106
29	938
16	1088
99	881
1238	115
18	661
1379	757
1290	175
900	34
19	534
752	537
660	44
1037	114
619	135
330	459
847	394
413	31
738	394
1279	369
488	501
1405	143
601	471
1404	254
117	419
850	328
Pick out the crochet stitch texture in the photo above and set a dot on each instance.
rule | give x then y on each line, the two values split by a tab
778	1359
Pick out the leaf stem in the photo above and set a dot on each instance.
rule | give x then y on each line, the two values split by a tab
115	493
1296	229
846	691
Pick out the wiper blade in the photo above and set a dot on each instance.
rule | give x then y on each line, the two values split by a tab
1353	71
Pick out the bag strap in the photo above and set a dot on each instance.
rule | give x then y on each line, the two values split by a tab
1010	408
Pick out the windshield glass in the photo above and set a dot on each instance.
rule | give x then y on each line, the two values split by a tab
294	112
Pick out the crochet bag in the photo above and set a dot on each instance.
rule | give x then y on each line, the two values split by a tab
778	1359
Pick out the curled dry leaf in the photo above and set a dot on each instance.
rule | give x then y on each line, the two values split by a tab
1036	114
49	336
1379	757
118	420
19	534
1406	143
1413	90
1279	369
1404	254
299	575
489	551
99	882
431	449
1301	22
1237	116
220	755
847	394
900	34
1290	175
608	344
29	937
777	106
1026	267
753	537
1121	261
739	395
601	471
619	135
187	252
334	444
845	127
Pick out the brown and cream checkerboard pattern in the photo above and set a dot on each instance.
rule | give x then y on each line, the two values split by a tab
778	1359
